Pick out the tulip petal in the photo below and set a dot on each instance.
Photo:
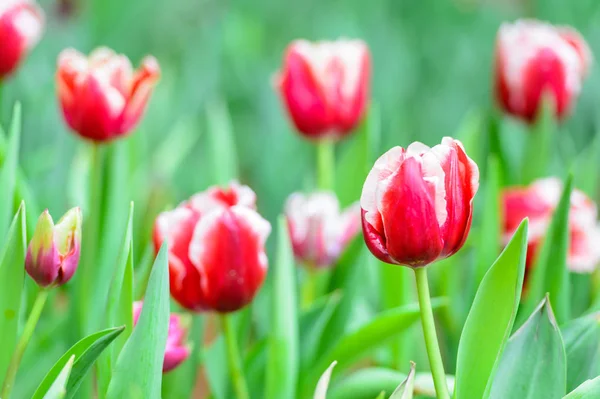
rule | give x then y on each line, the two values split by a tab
141	88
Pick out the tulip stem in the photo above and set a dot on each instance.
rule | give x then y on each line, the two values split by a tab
234	359
309	288
17	355
325	164
431	341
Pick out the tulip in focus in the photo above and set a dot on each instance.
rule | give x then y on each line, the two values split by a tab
533	58
53	253
325	86
21	25
217	258
538	202
318	231
101	96
417	203
177	350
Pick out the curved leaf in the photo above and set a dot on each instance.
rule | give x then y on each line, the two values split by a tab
588	390
58	389
366	383
406	389
582	344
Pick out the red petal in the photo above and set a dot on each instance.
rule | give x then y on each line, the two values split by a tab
375	241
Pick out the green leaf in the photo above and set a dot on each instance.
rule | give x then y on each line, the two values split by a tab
550	273
323	383
588	390
586	171
368	337
58	389
582	344
12	270
282	369
222	142
138	370
85	352
538	152
366	383
381	395
8	173
534	364
469	134
406	389
492	316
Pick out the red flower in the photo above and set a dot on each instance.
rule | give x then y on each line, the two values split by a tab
176	350
538	202
21	25
417	203
325	86
217	259
534	57
319	232
102	98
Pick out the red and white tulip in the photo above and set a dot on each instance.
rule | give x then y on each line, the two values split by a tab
538	202
318	230
217	259
101	96
533	58
417	203
21	26
325	86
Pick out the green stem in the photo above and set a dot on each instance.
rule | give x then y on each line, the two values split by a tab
234	359
431	341
325	164
15	361
309	288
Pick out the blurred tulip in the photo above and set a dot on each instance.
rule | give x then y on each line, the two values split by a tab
53	253
534	57
217	259
177	350
102	98
325	86
538	202
21	25
417	203
319	232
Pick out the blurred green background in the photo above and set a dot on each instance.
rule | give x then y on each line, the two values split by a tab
432	65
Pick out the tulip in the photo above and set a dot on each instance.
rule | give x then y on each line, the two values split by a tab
21	25
325	86
417	203
533	58
216	239
538	202
53	253
177	350
102	98
318	231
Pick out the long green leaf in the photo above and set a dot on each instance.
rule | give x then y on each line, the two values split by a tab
8	173
406	389
582	344
538	152
550	273
282	369
85	352
366	383
12	272
222	141
323	383
492	316
138	370
588	390
58	389
534	364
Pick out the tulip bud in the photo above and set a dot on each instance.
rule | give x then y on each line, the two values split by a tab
177	350
325	86
533	58
217	259
102	98
53	253
21	25
319	233
417	203
538	202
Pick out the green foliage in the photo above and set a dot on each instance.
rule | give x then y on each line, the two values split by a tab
582	344
405	390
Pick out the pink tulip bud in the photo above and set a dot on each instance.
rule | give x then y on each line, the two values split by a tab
217	259
417	203
21	25
102	97
53	253
177	350
538	202
533	58
319	232
325	86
